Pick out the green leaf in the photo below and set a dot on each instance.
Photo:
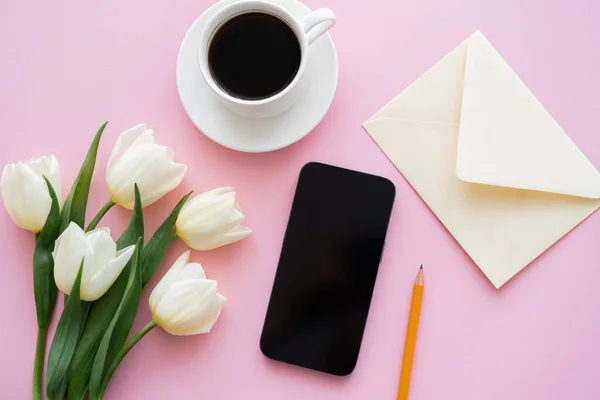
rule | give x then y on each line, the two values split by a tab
155	249
135	229
120	325
103	310
85	311
76	202
64	342
44	287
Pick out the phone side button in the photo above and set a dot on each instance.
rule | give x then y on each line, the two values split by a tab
382	250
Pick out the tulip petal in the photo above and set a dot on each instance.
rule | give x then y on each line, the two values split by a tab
167	281
147	137
211	214
209	199
25	197
125	141
24	193
70	248
48	167
219	240
211	220
204	323
185	301
103	279
221	190
151	167
104	251
171	178
207	203
192	271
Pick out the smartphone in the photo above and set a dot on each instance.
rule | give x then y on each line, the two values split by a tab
326	274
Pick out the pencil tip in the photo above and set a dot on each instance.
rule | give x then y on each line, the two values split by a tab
419	279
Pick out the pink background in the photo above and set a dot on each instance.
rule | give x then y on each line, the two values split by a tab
67	66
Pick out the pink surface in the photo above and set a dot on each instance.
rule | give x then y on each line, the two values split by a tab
69	65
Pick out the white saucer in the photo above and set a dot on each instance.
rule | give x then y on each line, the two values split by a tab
248	134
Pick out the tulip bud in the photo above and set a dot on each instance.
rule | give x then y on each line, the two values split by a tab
136	158
102	262
184	302
25	193
212	219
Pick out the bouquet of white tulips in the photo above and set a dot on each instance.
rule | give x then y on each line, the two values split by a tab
102	278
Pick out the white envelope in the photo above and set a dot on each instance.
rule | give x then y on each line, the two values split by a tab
488	159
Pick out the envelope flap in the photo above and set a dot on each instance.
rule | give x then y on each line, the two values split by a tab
507	138
435	96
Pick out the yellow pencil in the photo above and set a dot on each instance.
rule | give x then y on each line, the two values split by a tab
411	336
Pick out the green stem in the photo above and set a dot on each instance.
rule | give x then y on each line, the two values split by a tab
174	236
126	348
109	204
38	364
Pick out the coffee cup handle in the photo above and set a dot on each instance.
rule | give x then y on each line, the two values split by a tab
317	23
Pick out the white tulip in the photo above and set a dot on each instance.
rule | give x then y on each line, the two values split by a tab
184	302
102	262
25	193
136	158
212	219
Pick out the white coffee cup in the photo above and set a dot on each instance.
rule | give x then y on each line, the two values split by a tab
307	30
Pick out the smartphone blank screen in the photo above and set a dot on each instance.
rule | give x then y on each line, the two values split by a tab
327	269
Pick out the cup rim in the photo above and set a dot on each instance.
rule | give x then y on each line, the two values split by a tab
253	5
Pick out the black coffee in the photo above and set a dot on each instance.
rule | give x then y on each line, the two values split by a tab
254	56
